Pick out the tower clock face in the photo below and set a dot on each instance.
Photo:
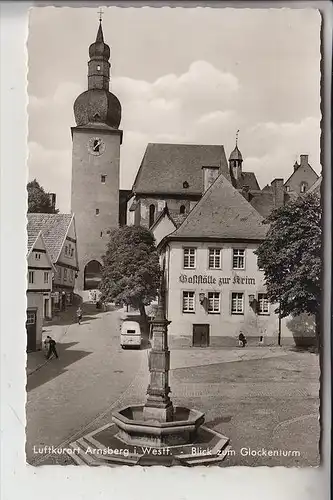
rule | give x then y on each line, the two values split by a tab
96	146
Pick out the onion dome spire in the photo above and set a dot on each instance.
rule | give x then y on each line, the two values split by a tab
98	104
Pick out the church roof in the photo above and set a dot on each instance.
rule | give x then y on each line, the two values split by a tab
169	168
54	228
222	213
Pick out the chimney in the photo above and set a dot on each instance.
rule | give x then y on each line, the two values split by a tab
278	192
304	160
52	199
210	175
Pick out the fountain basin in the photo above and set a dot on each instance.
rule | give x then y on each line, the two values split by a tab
134	430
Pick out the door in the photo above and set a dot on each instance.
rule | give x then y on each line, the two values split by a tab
200	335
31	326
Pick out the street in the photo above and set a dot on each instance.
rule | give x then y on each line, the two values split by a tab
67	394
262	398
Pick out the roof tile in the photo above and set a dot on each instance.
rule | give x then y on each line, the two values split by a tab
222	213
165	167
54	228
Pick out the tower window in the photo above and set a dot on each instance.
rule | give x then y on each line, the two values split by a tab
185	184
182	209
103	179
97	211
98	68
101	234
151	215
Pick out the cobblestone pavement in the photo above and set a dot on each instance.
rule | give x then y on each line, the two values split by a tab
264	399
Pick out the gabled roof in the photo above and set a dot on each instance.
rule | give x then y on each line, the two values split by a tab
316	186
164	213
247	179
295	170
33	236
33	233
222	213
166	167
54	228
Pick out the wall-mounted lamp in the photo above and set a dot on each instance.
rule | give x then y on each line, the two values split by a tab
202	297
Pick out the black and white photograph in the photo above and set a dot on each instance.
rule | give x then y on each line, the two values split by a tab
174	230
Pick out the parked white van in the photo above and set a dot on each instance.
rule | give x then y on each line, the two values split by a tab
130	334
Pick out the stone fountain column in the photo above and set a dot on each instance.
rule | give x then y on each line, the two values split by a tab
159	406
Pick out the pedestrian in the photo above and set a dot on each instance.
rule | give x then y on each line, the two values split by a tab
79	315
242	339
52	347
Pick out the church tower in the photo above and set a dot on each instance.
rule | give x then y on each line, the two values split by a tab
95	165
235	162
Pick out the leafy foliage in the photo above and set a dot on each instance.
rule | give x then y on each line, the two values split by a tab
38	200
131	270
291	256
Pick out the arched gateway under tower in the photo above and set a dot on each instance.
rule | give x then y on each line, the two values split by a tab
95	163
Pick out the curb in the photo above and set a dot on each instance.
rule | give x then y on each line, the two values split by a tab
47	360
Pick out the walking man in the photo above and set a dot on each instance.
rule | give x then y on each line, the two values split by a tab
52	347
242	339
79	315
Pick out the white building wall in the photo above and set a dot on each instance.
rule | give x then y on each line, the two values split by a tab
224	326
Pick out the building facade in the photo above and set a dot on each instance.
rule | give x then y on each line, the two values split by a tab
215	288
59	235
176	176
95	197
39	288
302	178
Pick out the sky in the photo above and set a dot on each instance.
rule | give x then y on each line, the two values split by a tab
182	75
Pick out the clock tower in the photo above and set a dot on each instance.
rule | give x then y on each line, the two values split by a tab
95	165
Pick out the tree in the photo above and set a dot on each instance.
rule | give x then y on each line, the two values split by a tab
38	200
290	256
131	270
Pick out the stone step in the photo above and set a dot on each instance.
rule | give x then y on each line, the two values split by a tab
75	457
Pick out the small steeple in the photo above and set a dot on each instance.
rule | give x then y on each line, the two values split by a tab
235	161
99	37
99	66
